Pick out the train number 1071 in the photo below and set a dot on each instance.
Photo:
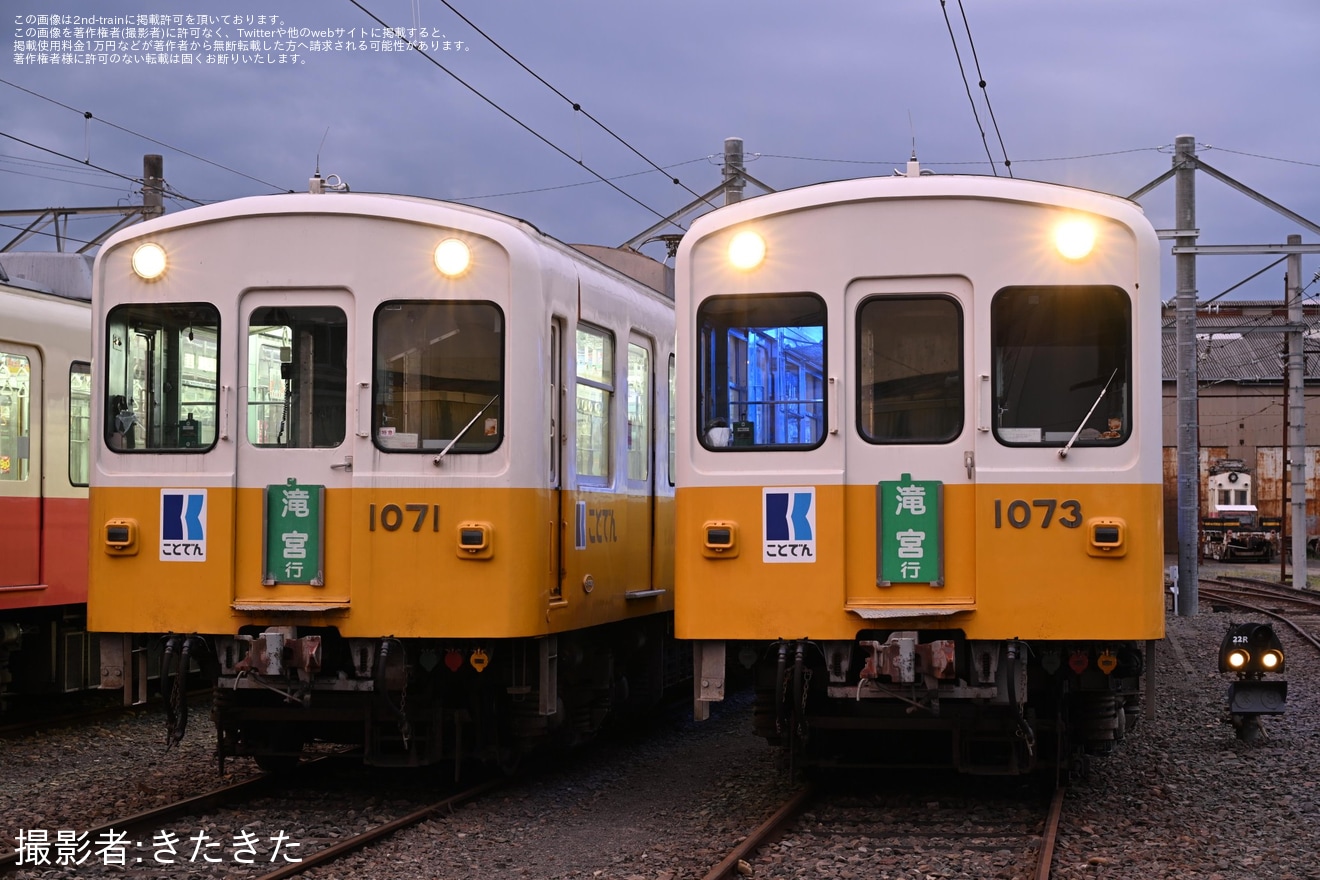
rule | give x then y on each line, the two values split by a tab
1050	511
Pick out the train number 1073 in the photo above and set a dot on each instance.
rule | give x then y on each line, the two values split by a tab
1047	511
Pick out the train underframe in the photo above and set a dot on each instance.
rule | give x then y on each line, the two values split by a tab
418	702
45	650
1239	546
936	699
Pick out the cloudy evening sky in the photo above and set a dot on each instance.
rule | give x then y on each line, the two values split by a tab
1084	92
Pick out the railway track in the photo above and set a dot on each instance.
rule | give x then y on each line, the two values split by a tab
980	829
1299	610
175	835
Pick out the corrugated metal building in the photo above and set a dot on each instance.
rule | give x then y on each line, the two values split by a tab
1240	403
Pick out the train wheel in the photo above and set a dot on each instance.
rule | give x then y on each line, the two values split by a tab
282	750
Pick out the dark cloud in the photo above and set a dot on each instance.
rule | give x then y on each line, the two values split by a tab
1088	92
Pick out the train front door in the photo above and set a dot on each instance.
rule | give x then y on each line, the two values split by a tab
912	451
297	400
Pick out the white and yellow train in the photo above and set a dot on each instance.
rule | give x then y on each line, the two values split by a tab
395	472
919	467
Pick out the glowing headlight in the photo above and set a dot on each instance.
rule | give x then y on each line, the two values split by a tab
746	250
1074	238
1237	659
149	261
452	257
1271	660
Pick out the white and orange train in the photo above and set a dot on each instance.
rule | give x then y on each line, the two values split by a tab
919	467
45	382
394	472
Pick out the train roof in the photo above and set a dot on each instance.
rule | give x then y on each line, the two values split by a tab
408	207
965	186
58	274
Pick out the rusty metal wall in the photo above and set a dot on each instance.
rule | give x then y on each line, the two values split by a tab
1271	480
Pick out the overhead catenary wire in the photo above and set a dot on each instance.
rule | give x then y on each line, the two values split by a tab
577	108
970	100
985	93
88	164
87	114
524	126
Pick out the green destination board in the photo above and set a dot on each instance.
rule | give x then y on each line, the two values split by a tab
295	526
911	539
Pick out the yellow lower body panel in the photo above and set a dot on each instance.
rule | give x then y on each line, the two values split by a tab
1034	562
406	562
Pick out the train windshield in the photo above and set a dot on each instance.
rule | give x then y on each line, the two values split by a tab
1062	366
439	377
761	371
162	369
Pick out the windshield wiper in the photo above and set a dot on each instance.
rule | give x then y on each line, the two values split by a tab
457	436
1063	453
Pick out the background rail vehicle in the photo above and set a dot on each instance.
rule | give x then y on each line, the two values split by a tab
919	467
45	382
394	472
1234	529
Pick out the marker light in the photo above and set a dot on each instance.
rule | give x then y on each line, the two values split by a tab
149	261
452	257
1074	238
746	250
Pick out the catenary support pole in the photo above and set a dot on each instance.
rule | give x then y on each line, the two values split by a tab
1189	471
1296	416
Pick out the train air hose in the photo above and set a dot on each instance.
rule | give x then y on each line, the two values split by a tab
1023	727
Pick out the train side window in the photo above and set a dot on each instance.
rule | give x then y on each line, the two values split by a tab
595	394
761	372
162	377
15	416
296	377
673	423
639	413
1062	365
439	370
80	422
910	369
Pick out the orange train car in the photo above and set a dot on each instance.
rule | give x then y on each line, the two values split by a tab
919	468
392	472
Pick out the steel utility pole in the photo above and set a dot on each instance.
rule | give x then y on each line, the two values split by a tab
1189	447
1296	407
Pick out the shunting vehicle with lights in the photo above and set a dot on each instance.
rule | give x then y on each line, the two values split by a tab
1235	530
393	472
919	468
1250	652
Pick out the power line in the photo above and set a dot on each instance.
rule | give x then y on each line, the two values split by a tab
984	92
963	71
577	108
87	164
87	114
524	126
542	189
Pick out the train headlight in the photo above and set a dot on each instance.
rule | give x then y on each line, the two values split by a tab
746	250
1074	238
149	261
452	257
